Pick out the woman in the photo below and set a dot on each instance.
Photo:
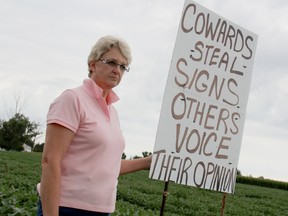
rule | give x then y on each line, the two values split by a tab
84	144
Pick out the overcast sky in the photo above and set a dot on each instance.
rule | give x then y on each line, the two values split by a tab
44	47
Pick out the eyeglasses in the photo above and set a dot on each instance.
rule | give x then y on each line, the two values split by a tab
113	63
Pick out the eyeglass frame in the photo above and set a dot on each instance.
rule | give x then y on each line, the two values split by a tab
113	63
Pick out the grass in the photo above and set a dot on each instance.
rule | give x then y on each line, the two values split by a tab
137	190
137	194
19	174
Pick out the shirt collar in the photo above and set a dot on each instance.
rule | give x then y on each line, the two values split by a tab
96	92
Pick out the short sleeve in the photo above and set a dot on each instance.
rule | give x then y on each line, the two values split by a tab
65	111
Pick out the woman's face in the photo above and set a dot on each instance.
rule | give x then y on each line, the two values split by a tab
105	75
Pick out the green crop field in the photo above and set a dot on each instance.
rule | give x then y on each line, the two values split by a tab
137	194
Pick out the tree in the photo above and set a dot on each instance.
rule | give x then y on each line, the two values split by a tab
38	147
124	156
17	131
136	157
239	173
146	153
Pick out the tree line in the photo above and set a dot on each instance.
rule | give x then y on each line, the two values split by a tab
17	131
20	130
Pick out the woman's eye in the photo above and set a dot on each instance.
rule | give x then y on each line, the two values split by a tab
123	67
112	63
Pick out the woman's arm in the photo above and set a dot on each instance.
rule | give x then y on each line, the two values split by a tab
128	166
58	139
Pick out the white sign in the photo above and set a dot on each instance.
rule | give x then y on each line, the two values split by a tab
203	111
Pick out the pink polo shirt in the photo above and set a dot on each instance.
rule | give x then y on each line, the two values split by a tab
91	167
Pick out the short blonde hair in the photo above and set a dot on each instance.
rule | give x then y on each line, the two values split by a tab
104	44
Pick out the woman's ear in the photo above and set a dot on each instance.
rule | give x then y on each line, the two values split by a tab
92	65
